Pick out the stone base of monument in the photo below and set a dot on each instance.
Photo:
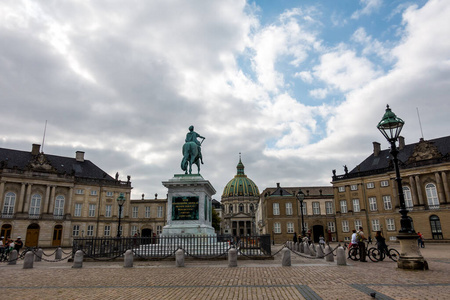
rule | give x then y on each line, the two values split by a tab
179	230
189	206
189	219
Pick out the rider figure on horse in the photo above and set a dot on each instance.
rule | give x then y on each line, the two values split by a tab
192	136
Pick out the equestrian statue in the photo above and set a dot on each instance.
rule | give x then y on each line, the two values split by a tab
192	151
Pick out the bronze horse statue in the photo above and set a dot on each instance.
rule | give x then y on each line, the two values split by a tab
191	155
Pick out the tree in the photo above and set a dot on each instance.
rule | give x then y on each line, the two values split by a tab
215	220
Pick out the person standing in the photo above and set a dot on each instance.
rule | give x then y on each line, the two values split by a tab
295	238
362	245
420	241
18	244
381	243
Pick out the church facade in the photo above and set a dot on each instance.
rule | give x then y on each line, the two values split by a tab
239	202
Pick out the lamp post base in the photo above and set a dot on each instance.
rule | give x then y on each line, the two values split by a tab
410	256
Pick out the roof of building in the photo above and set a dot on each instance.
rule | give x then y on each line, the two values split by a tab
412	155
23	160
292	191
240	185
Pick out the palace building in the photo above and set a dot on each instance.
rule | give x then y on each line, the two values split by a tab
279	213
48	200
367	196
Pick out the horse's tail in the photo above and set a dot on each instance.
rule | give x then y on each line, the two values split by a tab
184	164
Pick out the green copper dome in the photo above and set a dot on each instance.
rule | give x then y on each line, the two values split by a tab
240	185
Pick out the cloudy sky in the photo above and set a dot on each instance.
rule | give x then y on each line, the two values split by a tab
297	87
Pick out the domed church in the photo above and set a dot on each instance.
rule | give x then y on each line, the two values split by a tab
239	202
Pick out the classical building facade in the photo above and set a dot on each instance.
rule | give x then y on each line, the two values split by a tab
239	200
48	200
367	196
279	213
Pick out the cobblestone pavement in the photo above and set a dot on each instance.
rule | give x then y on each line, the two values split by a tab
255	279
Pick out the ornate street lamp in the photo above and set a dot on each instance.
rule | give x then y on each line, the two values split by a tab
301	196
410	258
120	202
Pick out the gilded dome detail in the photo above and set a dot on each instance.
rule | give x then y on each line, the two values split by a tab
240	185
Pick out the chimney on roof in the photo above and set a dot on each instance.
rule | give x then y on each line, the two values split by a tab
278	184
79	156
35	149
401	142
376	148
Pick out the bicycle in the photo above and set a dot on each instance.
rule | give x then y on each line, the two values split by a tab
381	254
4	254
373	253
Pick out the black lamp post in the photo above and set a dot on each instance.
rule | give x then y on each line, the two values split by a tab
301	197
121	202
391	126
410	258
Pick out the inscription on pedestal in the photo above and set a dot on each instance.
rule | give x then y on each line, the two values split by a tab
185	208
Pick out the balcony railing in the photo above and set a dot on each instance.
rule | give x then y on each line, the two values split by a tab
58	217
433	206
7	216
34	216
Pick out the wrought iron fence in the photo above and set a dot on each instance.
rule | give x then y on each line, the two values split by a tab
165	246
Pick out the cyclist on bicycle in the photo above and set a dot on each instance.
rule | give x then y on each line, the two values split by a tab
381	242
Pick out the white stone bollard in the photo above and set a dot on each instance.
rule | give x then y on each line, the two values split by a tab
297	246
232	257
78	260
38	256
328	254
58	253
28	260
128	259
306	248
12	258
319	251
302	247
312	249
340	256
179	258
286	257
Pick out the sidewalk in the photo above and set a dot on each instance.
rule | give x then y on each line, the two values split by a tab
252	279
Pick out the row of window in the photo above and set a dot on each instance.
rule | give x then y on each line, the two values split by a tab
107	230
431	192
290	227
315	208
369	185
390	225
387	204
93	193
35	204
240	207
36	201
108	211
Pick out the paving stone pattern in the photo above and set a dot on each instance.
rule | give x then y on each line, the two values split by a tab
255	279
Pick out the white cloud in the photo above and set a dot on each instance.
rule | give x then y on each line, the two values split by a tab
318	93
344	70
160	67
371	45
369	6
305	76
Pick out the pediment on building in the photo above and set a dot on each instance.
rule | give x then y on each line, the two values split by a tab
241	215
40	163
424	150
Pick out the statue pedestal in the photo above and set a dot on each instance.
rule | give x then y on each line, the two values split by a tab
189	206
